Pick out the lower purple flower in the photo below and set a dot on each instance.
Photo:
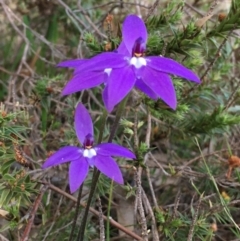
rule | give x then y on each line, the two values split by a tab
88	155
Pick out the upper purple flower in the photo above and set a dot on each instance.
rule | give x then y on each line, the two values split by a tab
128	67
89	154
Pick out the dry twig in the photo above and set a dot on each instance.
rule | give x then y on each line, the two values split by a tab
93	211
33	213
101	222
139	204
191	231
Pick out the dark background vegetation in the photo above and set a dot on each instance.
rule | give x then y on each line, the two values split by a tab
189	157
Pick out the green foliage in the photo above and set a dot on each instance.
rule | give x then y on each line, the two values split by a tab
92	43
16	187
170	15
231	22
216	122
141	152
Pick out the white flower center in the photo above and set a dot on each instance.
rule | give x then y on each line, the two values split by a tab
89	153
108	71
138	62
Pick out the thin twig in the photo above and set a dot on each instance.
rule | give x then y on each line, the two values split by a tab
66	7
96	29
207	155
213	6
217	53
151	10
154	223
137	177
194	9
46	236
191	231
135	129
2	238
151	188
92	210
11	16
76	212
211	63
159	165
33	213
176	204
149	127
101	222
232	96
143	221
138	11
164	48
114	2
147	141
119	113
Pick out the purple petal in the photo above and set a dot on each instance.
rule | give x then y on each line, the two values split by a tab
83	123
103	61
72	63
111	149
83	81
170	66
123	50
133	28
162	86
120	82
91	161
78	171
65	154
109	167
145	89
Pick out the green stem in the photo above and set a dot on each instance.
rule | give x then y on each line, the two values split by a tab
81	232
120	109
104	117
76	213
96	173
108	211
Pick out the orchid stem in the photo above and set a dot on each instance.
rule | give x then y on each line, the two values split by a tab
104	120
76	213
120	109
96	173
108	211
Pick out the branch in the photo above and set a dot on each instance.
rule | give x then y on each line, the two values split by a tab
93	211
33	213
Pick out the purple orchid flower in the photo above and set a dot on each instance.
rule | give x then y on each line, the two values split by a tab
128	67
88	155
